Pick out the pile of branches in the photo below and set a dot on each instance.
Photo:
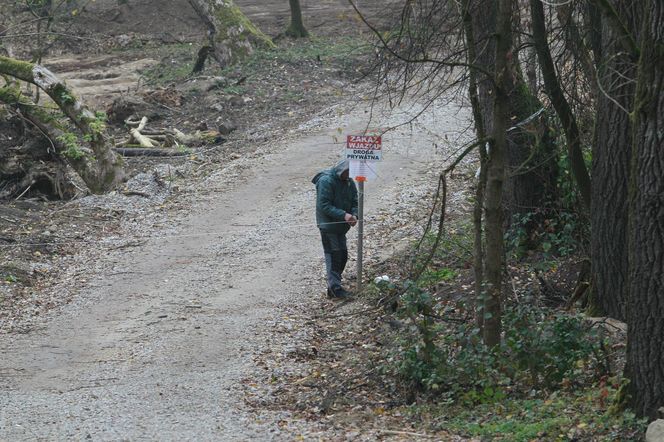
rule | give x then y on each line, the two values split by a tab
143	141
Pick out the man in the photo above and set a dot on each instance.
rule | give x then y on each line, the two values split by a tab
336	213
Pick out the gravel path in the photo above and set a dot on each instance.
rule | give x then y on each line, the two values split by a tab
157	344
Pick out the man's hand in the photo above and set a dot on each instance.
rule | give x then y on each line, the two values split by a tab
350	219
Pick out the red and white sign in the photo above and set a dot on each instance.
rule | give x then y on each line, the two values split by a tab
364	148
363	152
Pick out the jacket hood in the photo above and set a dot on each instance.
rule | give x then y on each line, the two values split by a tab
337	170
341	167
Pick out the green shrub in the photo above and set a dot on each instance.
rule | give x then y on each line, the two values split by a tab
542	349
548	346
431	277
556	234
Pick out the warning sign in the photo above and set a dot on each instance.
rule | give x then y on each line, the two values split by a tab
364	148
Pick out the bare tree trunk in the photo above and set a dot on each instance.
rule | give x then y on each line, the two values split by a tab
496	174
610	168
232	36
645	312
108	169
529	57
296	28
562	107
478	242
529	161
575	42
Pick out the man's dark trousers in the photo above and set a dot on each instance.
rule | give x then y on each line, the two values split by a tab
336	256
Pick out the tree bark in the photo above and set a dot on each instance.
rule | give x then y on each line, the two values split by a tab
296	28
201	59
615	18
232	36
610	167
645	312
108	167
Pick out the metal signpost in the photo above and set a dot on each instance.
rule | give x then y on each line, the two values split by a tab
363	152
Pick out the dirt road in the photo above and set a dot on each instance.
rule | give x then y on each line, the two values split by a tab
156	345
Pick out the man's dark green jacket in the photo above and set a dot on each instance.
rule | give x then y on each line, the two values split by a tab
334	198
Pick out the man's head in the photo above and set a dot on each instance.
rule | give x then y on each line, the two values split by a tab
342	169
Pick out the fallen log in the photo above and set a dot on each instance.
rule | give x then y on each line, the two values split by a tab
154	138
139	137
146	152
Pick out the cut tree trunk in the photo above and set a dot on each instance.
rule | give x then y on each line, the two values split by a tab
232	36
100	168
141	139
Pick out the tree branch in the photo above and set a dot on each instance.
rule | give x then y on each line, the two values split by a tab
424	60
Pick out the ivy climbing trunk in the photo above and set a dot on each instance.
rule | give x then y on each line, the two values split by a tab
231	35
88	150
645	311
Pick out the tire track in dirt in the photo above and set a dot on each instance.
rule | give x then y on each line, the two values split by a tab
98	80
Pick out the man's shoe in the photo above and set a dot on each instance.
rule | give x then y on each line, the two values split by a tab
341	293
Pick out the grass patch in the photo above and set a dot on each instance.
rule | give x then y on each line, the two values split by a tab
328	51
177	61
11	273
431	277
234	90
453	254
562	416
176	64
